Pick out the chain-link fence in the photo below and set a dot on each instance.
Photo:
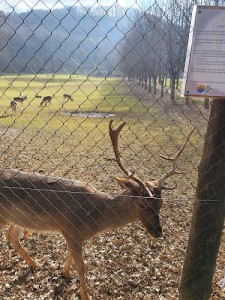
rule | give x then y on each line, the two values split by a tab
67	69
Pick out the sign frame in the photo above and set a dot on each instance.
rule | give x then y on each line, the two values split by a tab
204	72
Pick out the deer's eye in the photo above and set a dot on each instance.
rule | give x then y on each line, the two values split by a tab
145	203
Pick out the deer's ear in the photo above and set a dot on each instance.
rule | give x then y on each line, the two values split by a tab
125	183
152	184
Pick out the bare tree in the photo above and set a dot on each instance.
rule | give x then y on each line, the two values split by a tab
143	49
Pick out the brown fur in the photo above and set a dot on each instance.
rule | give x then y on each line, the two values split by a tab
66	96
20	99
46	100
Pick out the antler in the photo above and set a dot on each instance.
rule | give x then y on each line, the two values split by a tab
173	171
114	134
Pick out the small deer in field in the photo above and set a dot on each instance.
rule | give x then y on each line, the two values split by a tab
38	96
20	99
76	209
13	105
67	97
46	100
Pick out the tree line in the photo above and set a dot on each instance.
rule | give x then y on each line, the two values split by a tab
70	39
154	47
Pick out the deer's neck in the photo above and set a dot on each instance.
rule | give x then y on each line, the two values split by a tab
112	212
123	207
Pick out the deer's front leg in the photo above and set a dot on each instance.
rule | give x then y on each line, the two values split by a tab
75	253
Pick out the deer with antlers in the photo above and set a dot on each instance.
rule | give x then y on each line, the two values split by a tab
76	209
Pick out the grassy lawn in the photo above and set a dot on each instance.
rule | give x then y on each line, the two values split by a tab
95	94
91	94
44	137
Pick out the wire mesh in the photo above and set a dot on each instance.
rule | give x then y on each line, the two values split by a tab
67	69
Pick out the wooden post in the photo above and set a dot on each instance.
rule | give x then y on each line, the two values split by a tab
206	103
187	100
209	212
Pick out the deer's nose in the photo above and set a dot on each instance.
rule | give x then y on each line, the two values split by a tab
156	232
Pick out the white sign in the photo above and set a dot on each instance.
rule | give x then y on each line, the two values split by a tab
204	74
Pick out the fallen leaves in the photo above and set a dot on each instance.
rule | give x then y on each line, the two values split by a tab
121	264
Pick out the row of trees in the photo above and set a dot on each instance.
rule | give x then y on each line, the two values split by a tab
155	46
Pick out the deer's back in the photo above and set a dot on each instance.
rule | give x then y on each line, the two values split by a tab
44	203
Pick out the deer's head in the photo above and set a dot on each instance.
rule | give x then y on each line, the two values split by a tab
145	194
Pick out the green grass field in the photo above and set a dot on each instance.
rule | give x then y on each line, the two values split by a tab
90	95
45	137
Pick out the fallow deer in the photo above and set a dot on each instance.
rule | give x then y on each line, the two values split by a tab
20	99
76	209
13	105
67	97
46	100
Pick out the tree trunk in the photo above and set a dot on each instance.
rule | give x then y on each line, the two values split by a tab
165	81
172	96
187	100
155	85
146	82
162	88
142	80
149	83
206	103
209	212
177	82
139	79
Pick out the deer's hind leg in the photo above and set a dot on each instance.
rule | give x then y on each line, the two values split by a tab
12	236
67	264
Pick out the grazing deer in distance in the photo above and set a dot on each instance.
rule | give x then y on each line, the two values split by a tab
13	105
68	97
38	96
20	99
46	100
76	209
